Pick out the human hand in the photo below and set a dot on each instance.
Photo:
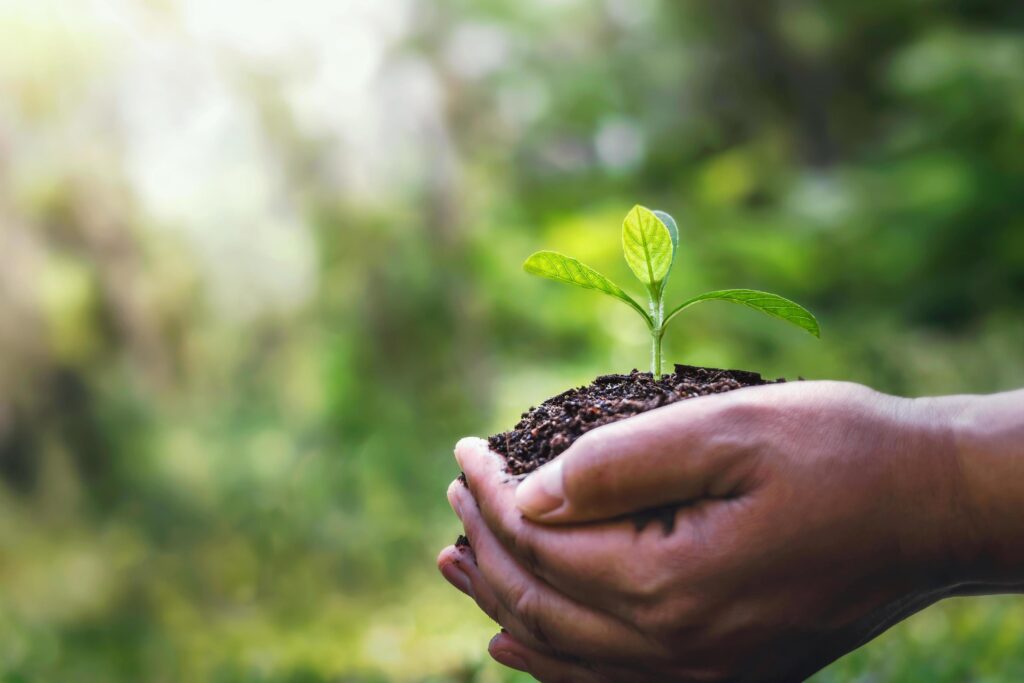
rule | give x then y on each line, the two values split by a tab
814	516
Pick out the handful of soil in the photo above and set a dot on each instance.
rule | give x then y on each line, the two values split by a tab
548	430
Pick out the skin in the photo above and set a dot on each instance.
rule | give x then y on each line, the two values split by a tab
814	516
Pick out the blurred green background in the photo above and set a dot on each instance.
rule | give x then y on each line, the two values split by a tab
260	268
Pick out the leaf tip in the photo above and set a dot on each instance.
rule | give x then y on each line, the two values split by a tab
531	264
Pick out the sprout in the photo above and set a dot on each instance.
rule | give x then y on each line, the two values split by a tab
649	243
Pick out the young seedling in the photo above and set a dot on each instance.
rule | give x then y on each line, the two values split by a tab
649	243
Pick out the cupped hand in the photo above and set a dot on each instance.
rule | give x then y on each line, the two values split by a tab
809	517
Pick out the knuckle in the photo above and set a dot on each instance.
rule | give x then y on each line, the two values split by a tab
505	535
525	607
518	539
739	435
653	580
669	618
527	553
650	618
646	586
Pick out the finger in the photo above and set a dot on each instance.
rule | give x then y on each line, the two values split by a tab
459	567
508	651
452	562
677	454
527	605
610	566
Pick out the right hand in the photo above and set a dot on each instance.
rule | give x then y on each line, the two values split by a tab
815	515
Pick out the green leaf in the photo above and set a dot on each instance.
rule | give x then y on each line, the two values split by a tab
771	304
647	245
551	264
673	230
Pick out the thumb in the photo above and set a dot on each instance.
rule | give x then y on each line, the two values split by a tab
672	455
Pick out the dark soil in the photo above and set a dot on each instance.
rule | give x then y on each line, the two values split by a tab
549	429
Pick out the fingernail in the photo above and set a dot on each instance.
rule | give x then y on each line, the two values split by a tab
466	446
453	493
509	659
457	578
541	492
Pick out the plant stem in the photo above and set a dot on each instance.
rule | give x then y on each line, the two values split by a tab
655	354
657	308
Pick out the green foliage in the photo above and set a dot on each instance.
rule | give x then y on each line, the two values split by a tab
202	483
551	264
648	247
649	243
765	302
673	231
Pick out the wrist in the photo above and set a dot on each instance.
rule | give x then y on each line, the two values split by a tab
938	519
988	434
